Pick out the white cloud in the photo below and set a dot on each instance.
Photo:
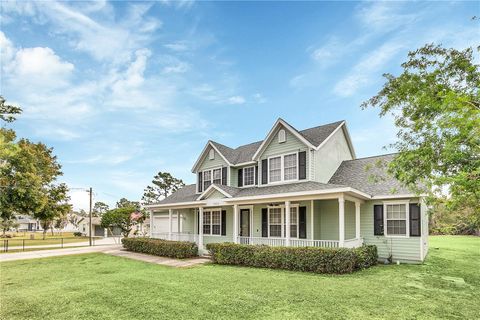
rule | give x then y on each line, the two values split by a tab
259	98
385	16
179	46
368	67
236	100
180	67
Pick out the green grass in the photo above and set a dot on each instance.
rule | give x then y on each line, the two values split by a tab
97	286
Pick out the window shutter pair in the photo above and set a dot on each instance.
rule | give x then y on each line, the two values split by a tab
224	175
200	181
302	165
240	177
264	171
264	222
415	220
224	222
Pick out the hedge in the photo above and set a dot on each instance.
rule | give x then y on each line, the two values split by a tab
308	259
163	248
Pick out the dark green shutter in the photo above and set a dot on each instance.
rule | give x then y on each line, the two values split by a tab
200	181
198	222
224	223
224	176
302	165
415	220
240	177
378	220
264	171
302	223
264	222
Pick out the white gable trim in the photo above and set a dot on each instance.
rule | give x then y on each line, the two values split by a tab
202	154
267	139
210	190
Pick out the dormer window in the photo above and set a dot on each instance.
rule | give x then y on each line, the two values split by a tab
211	154
282	136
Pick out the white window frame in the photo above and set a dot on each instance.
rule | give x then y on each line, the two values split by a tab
211	176
407	219
283	217
243	176
210	212
282	167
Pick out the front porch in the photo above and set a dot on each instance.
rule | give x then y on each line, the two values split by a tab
328	221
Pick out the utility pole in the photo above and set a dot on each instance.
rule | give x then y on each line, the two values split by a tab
90	218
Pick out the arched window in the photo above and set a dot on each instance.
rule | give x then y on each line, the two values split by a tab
211	154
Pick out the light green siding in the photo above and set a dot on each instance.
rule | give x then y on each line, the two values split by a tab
329	157
216	195
257	218
291	145
229	228
402	249
206	163
188	220
349	220
233	177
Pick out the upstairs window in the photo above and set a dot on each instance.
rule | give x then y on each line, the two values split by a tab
249	176
207	179
283	168
275	169
282	136
217	176
290	167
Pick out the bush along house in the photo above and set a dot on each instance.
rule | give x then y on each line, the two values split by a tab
295	188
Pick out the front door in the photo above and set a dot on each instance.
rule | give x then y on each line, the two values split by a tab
244	222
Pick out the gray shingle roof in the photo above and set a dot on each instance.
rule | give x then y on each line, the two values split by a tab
368	175
185	194
241	154
318	134
188	193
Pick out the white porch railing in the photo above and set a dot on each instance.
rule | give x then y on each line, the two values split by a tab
273	242
176	236
314	243
353	243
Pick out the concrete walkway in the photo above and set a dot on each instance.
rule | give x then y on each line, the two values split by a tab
157	260
55	252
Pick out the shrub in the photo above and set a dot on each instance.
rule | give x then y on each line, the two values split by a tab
77	234
163	248
309	259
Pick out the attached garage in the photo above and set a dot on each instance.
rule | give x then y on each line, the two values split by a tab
160	224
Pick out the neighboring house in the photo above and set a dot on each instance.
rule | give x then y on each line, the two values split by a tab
138	230
295	188
27	223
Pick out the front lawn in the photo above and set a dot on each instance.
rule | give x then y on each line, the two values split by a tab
98	286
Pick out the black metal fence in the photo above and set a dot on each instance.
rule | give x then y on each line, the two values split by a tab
12	244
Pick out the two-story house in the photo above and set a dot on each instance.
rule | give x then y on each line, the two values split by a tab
295	188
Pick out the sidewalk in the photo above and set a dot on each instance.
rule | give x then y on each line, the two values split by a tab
157	260
56	252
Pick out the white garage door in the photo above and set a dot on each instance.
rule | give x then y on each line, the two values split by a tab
160	224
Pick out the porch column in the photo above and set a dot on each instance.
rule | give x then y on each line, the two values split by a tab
178	221
341	221
235	223
200	228
170	224
311	220
151	224
357	220
287	223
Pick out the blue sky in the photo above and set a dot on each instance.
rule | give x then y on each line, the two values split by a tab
124	90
